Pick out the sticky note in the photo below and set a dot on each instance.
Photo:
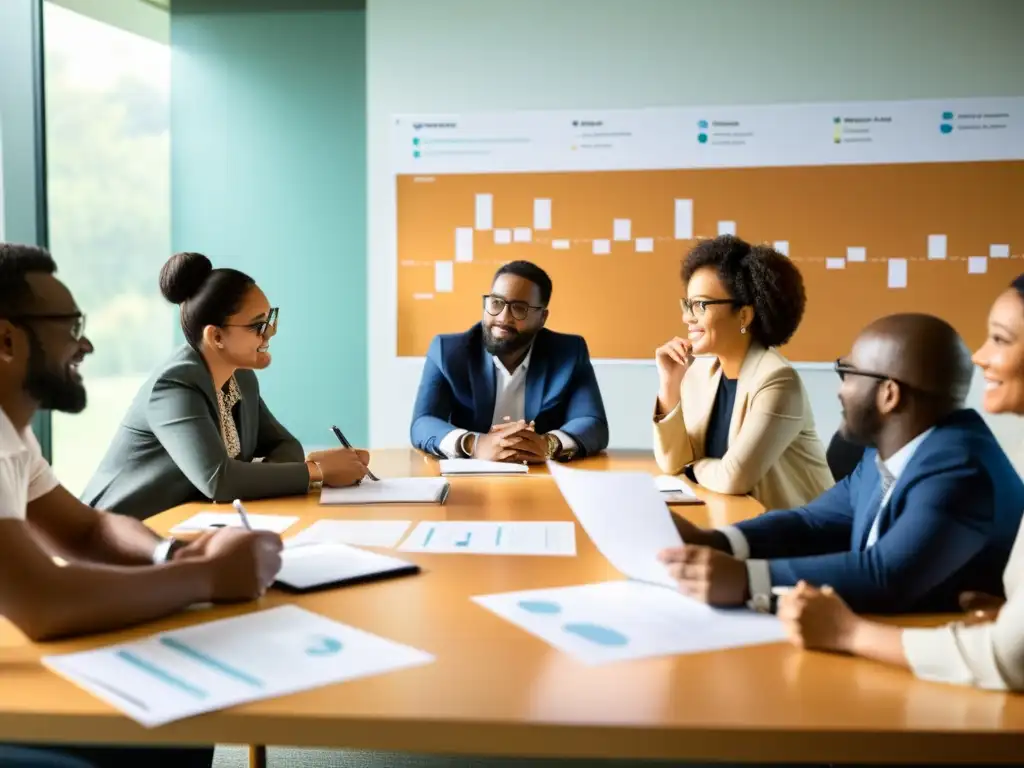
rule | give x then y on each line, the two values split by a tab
999	251
936	246
839	263
977	265
897	273
645	245
856	253
602	246
502	236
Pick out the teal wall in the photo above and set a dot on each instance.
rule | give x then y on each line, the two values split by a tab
268	175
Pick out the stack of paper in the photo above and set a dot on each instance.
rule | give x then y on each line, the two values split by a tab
390	490
317	566
219	664
204	521
675	491
479	467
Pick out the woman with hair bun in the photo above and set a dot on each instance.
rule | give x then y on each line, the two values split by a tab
199	422
738	420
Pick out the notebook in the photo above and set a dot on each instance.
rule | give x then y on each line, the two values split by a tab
675	491
480	467
389	490
322	566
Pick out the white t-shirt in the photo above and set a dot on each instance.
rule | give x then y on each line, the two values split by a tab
24	474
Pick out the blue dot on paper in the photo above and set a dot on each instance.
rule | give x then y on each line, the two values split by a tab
540	606
597	634
324	646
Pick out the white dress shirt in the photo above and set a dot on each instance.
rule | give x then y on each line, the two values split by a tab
759	574
24	474
509	405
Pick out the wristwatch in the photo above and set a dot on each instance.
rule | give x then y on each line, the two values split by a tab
164	550
554	445
315	483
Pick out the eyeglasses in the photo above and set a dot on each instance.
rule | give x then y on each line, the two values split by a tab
698	307
495	305
844	369
261	327
77	321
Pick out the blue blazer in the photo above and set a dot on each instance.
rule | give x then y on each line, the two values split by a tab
949	526
458	390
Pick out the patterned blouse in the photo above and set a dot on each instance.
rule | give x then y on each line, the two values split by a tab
228	430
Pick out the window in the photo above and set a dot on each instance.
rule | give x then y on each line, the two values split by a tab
108	187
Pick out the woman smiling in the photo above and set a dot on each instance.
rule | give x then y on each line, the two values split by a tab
738	419
197	425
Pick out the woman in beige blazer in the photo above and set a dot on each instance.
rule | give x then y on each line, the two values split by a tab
737	419
986	649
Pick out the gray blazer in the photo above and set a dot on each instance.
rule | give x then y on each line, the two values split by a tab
169	450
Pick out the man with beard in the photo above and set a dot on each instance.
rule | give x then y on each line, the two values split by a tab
508	389
65	568
930	511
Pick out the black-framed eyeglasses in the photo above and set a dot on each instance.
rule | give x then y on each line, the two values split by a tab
77	320
844	369
262	326
495	305
698	307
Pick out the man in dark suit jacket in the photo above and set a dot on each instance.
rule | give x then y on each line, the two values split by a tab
508	389
931	510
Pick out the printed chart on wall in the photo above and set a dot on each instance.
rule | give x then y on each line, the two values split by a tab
903	206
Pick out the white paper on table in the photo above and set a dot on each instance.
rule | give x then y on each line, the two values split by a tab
211	666
673	485
977	265
645	245
361	533
492	538
835	263
480	467
602	247
856	253
203	521
936	246
999	251
522	234
389	490
619	620
502	236
621	229
727	227
625	517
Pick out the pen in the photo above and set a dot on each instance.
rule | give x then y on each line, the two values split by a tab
241	513
344	441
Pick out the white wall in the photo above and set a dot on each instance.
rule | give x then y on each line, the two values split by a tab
478	55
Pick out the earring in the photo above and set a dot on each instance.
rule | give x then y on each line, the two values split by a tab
743	330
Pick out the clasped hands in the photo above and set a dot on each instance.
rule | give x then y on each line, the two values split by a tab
513	441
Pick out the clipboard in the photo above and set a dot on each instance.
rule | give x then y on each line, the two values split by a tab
314	567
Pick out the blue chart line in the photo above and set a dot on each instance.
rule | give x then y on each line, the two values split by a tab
430	535
464	542
160	674
497	539
211	662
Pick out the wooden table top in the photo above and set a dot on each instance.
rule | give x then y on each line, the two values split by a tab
496	690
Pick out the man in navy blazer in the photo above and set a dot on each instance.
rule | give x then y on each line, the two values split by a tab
508	389
931	510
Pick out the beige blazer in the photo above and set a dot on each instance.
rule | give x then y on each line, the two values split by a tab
774	452
983	655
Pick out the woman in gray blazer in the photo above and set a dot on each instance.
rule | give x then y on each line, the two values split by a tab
198	423
986	649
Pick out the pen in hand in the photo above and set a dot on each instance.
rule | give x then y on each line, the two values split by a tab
237	504
344	441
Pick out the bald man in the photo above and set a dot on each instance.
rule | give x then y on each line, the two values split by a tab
931	510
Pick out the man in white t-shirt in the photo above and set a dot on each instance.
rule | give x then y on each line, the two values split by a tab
65	568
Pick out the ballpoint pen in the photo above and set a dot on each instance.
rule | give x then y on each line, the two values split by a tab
344	441
237	504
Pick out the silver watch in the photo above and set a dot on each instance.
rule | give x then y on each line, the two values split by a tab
163	550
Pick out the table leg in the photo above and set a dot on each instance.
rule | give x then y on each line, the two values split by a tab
257	756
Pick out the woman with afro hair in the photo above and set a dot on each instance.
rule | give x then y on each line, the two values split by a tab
731	411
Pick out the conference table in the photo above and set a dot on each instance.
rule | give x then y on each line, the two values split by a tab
495	690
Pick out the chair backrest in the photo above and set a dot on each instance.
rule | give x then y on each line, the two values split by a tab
842	456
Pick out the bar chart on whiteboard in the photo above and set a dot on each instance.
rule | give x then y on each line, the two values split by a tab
881	207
